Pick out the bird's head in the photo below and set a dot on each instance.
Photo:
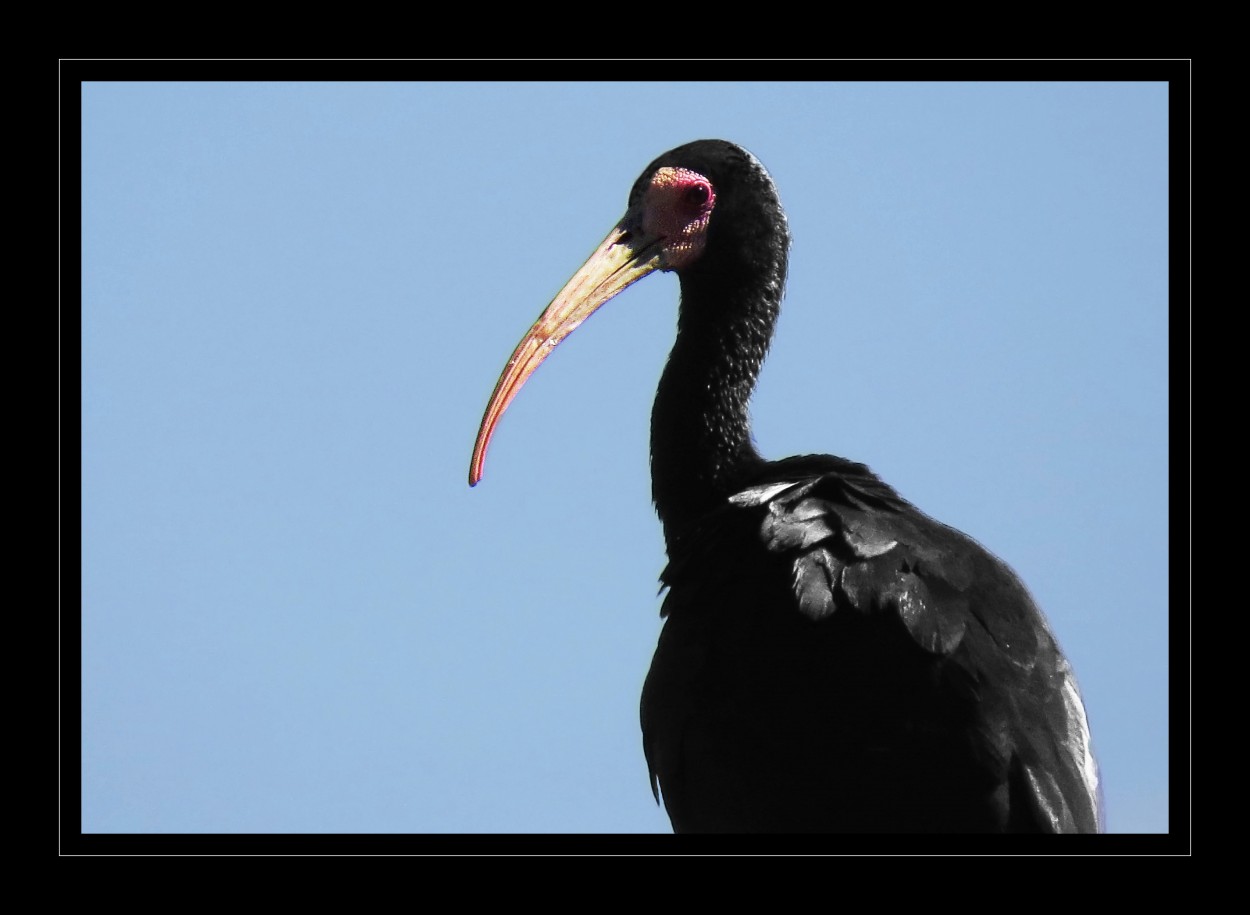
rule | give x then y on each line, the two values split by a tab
702	208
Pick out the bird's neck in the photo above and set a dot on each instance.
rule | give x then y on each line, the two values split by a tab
701	445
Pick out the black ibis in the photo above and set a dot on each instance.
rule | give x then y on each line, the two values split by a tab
832	659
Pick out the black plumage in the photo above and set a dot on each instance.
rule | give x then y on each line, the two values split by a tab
832	659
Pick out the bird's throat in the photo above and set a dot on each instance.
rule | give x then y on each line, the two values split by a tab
701	445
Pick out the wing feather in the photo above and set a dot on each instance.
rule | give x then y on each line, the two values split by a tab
843	546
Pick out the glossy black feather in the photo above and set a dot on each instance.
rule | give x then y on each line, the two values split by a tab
832	659
835	660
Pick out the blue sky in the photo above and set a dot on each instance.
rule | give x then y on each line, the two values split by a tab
297	616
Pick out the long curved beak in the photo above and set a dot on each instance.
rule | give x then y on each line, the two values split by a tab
625	257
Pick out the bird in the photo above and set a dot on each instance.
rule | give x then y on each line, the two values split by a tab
832	659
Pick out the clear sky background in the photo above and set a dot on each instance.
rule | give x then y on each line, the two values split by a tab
296	615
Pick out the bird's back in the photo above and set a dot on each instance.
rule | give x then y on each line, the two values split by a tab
834	660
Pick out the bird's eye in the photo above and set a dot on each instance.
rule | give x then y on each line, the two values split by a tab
698	194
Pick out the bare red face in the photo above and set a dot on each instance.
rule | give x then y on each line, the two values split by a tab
676	207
